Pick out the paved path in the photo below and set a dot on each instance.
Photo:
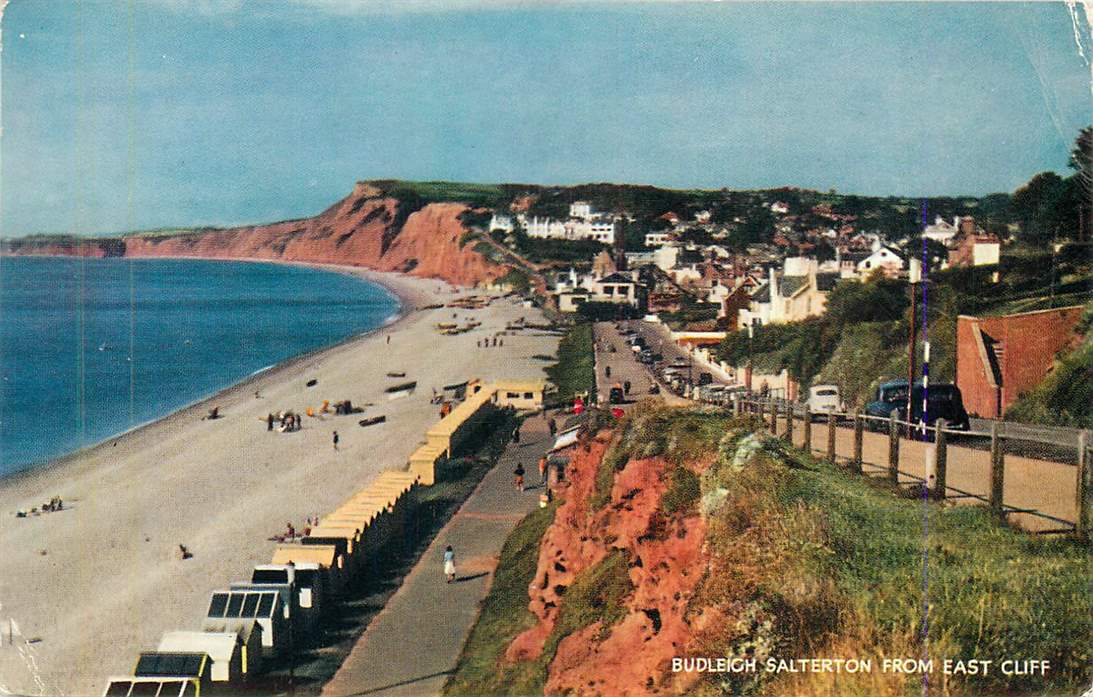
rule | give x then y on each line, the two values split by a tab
413	644
625	366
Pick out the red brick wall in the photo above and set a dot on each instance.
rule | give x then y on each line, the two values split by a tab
1030	340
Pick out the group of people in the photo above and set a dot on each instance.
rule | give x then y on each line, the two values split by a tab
485	343
55	504
287	421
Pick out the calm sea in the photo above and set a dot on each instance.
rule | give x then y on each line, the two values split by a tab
91	348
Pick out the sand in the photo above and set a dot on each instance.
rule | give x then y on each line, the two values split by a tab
92	585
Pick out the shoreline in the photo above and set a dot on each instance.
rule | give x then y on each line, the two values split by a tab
94	584
399	286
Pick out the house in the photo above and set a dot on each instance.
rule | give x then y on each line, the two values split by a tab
501	222
657	239
795	293
883	257
581	210
615	288
975	249
941	230
998	359
779	208
597	230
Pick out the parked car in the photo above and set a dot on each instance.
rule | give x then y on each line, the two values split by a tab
944	401
705	378
616	396
890	395
825	399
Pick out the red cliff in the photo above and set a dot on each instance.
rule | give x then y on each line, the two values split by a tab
367	229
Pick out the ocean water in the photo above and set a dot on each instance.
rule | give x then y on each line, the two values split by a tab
91	348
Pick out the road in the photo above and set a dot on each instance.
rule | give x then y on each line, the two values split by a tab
623	366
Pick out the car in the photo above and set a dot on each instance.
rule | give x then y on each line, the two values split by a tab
657	357
825	399
705	378
616	395
943	401
890	396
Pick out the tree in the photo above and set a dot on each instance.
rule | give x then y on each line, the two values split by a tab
1080	162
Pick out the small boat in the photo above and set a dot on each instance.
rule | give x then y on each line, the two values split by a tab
397	374
401	387
372	421
312	383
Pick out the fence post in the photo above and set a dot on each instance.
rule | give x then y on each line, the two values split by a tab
831	423
893	449
789	423
941	450
808	430
998	471
856	461
1081	523
773	417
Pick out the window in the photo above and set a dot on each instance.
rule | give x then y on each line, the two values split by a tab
116	689
145	688
512	395
529	395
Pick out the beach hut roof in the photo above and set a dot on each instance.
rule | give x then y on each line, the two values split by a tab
337	528
447	426
123	686
175	664
243	604
220	646
303	556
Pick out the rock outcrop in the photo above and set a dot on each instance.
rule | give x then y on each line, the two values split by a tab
664	559
368	228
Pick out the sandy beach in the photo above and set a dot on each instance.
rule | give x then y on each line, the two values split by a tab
92	585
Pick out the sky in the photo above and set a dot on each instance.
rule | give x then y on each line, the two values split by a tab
144	114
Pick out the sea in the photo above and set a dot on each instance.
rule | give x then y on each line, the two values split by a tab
91	348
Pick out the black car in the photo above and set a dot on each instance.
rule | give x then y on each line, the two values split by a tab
943	402
616	395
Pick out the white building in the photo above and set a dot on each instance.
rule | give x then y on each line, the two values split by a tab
657	239
597	230
501	222
581	210
942	231
883	257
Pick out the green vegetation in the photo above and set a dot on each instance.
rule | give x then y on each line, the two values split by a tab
809	561
504	612
574	373
683	491
517	279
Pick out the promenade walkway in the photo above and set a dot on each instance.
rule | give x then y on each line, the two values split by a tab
413	644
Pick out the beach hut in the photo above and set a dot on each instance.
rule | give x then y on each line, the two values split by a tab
243	611
423	463
299	619
187	665
346	540
309	582
225	650
325	560
131	686
525	395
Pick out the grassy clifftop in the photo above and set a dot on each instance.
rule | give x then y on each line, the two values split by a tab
796	559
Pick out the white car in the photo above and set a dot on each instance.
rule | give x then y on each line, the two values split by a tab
825	399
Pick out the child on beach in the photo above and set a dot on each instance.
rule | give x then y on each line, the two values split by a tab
335	440
449	563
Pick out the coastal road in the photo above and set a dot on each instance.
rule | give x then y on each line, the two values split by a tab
623	365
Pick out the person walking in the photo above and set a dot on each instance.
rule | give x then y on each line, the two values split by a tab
449	564
542	469
335	440
519	472
607	371
516	434
269	421
552	426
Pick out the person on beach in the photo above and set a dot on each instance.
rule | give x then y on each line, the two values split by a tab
269	421
449	564
388	339
335	440
519	472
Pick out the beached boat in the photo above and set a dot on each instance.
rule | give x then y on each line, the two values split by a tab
402	387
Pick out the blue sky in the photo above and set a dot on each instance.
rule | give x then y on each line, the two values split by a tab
159	113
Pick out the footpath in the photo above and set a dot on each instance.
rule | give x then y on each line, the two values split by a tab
413	644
